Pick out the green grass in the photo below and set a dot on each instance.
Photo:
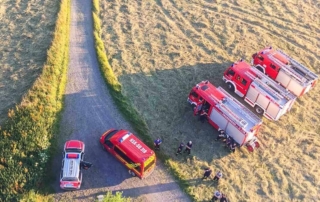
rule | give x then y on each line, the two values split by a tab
27	136
158	50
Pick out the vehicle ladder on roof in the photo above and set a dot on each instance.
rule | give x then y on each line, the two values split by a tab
271	87
309	75
245	113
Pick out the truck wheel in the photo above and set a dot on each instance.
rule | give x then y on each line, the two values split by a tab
257	144
258	109
103	148
230	87
250	148
193	106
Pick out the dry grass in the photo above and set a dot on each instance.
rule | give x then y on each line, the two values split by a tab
26	28
160	49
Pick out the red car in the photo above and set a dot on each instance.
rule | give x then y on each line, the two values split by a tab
71	175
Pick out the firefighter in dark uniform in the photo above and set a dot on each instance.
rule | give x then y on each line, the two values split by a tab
217	195
223	198
180	148
157	143
233	147
228	141
221	135
218	176
207	173
188	147
203	116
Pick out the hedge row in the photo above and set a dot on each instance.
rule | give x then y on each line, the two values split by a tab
129	112
26	136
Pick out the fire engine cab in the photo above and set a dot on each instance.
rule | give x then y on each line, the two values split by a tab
259	91
282	68
225	112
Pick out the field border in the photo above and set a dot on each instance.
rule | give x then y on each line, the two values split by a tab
33	124
123	103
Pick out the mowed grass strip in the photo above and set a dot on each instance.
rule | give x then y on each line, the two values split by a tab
158	50
26	32
27	135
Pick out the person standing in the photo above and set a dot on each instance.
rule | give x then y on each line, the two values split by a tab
217	195
180	148
157	143
223	198
218	176
221	135
233	147
207	173
188	147
228	141
197	108
203	116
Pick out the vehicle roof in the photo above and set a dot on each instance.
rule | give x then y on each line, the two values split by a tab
242	67
290	65
267	86
132	145
71	166
76	144
230	107
274	53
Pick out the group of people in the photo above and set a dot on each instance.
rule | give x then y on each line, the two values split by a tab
207	172
229	141
217	194
158	142
201	110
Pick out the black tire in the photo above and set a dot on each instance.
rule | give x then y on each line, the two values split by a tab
193	106
258	110
230	87
103	148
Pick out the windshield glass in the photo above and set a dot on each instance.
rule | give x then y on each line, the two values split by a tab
70	179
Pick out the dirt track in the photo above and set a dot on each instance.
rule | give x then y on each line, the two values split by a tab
89	111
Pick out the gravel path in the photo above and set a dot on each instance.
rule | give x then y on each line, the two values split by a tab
89	111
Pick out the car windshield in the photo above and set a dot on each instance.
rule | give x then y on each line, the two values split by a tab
75	150
69	179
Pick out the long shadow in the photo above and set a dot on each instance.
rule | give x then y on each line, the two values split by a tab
162	102
165	187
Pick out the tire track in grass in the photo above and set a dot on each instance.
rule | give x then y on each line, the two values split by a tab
256	24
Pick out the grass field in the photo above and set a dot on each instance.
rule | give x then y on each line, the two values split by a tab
160	49
26	28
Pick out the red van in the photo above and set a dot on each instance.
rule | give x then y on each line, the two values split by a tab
130	150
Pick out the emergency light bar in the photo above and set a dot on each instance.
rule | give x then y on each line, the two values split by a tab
124	137
72	156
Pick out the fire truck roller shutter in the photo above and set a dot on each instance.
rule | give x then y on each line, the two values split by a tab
234	132
263	101
218	119
252	95
283	78
273	111
295	87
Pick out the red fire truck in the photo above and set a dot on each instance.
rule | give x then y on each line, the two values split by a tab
282	68
225	112
259	91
